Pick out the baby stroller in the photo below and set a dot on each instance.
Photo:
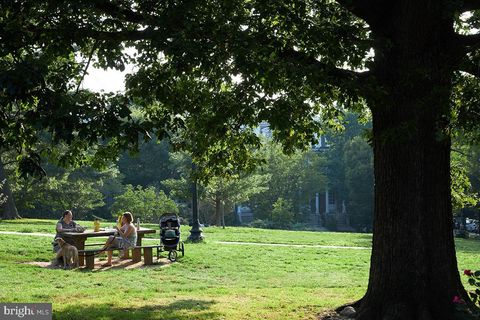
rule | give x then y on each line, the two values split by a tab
170	236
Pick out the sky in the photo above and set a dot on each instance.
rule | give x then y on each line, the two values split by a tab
106	80
109	80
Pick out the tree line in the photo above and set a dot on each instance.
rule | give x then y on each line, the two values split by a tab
281	191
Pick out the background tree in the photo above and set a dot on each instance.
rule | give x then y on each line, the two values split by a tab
148	204
295	177
60	190
282	213
463	195
149	166
43	105
359	182
8	207
59	194
226	192
216	193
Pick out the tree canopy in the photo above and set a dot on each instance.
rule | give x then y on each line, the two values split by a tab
211	71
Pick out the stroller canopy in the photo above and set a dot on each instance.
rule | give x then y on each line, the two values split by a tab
169	220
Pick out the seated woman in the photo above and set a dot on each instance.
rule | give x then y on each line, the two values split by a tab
65	224
127	237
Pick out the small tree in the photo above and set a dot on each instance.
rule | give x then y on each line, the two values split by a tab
147	204
282	213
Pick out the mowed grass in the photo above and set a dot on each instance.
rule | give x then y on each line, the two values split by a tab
213	281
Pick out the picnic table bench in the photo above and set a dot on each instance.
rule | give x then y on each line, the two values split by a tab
78	239
89	254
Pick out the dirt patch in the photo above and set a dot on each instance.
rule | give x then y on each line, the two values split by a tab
331	315
41	264
126	264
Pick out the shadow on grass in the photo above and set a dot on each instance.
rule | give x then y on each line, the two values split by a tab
467	245
124	264
178	310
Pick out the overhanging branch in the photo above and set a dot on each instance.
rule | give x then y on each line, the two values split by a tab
113	10
470	67
116	36
371	11
359	81
468	43
124	14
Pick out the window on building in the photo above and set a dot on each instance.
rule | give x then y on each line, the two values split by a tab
331	198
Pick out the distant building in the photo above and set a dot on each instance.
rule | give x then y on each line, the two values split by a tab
244	214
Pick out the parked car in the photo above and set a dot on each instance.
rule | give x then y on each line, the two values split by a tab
471	225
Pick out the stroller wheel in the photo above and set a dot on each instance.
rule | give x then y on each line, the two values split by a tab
172	255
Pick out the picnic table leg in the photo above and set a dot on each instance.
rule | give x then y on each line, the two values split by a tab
139	240
80	244
148	256
90	261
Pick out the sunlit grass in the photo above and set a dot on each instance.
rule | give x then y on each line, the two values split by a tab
212	281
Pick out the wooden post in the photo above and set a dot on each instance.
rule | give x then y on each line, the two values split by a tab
90	260
148	255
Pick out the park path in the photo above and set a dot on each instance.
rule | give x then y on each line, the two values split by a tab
292	245
51	235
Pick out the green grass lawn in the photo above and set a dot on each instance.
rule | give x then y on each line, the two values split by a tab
213	280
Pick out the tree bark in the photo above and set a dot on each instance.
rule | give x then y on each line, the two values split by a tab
8	210
413	271
218	210
223	214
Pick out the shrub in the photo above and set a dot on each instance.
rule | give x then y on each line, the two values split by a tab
330	222
261	224
462	309
282	213
474	281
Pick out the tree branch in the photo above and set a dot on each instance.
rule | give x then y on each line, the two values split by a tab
370	11
94	47
123	35
468	43
359	81
124	14
118	12
469	67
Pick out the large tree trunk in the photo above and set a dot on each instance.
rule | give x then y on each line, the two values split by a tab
8	210
413	272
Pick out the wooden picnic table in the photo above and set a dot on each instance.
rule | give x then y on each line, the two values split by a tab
78	238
